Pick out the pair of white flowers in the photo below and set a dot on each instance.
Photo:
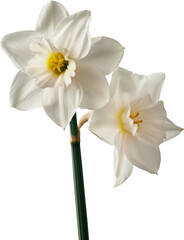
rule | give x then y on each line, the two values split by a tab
63	68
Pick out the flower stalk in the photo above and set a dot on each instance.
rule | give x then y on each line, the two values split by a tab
78	181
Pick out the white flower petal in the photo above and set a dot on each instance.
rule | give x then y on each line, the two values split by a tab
142	103
153	113
42	47
153	116
171	129
60	104
122	167
49	17
142	154
103	122
137	85
94	84
148	110
24	94
71	65
105	53
67	78
152	131
72	33
46	79
153	85
126	82
16	45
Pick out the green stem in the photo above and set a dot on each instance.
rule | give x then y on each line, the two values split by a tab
78	181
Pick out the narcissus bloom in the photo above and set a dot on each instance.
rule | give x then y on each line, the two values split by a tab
61	67
134	121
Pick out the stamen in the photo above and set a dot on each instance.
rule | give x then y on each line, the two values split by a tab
57	63
137	122
134	116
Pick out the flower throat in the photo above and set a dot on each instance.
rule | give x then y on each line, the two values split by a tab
56	63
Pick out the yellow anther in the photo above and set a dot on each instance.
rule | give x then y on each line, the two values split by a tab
137	122
57	63
134	116
58	68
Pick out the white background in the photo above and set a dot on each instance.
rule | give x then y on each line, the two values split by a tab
36	187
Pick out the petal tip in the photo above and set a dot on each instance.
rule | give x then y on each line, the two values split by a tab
11	105
163	75
86	14
3	43
116	184
11	102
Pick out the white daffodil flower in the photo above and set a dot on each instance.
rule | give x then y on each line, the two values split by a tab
61	67
134	121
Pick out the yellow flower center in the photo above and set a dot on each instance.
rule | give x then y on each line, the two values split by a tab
128	121
56	63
